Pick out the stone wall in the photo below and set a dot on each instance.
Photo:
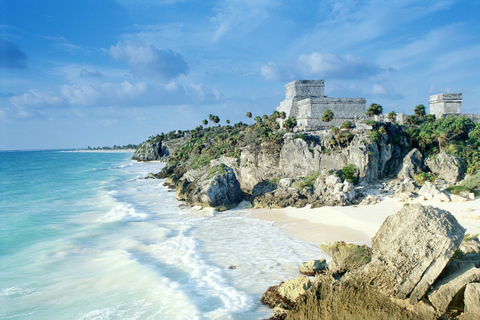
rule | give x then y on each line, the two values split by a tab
305	101
445	103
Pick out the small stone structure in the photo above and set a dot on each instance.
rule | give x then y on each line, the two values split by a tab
305	100
449	104
445	104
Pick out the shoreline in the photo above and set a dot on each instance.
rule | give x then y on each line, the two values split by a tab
356	224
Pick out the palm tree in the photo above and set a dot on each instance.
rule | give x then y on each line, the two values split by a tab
205	122
374	109
327	116
249	116
420	111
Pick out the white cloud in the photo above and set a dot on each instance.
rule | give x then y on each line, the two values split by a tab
322	65
148	60
380	91
37	98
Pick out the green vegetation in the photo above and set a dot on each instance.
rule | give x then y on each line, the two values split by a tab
290	123
327	116
392	115
346	256
212	142
115	147
458	136
424	176
473	182
299	136
349	173
304	182
374	109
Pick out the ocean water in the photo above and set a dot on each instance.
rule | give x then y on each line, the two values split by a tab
84	236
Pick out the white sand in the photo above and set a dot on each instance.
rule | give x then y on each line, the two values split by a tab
356	223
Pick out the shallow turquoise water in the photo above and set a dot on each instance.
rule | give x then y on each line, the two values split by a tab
84	236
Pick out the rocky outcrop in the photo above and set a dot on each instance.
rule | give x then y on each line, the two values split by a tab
410	250
430	192
216	187
448	292
472	301
447	167
149	151
412	165
313	267
329	191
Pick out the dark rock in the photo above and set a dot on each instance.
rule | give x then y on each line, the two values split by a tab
216	187
150	176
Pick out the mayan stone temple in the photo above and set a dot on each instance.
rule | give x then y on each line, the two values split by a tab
445	104
306	102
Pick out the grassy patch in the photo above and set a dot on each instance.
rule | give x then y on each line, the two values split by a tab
346	256
424	176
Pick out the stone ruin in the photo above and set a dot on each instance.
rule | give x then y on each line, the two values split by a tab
305	100
449	104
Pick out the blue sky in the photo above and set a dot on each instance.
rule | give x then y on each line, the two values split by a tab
94	73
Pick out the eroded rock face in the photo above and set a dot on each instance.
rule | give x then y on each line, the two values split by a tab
447	289
472	301
447	167
410	250
313	267
216	187
148	151
412	165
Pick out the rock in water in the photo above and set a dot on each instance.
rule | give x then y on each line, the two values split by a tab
447	167
412	164
216	187
410	250
148	151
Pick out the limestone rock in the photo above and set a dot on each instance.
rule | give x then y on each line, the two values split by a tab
256	166
412	164
445	290
149	151
472	301
292	289
447	167
216	187
431	192
410	250
312	267
150	176
470	245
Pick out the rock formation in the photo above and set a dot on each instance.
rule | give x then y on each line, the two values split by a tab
407	277
149	151
216	187
447	167
412	165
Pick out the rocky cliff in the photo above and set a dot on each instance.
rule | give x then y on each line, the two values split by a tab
151	151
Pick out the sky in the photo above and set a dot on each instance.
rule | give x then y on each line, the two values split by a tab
94	73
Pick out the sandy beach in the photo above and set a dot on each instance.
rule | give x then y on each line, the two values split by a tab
357	224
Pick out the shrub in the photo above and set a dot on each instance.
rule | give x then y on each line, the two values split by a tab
349	173
346	256
424	176
299	136
458	189
473	182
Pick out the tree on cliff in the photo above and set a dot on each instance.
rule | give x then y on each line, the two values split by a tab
215	119
249	116
327	116
420	111
392	115
205	122
374	109
290	123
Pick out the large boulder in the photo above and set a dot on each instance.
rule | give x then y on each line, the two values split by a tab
412	165
447	167
216	187
410	250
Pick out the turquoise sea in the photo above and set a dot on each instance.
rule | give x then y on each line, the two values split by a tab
84	236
